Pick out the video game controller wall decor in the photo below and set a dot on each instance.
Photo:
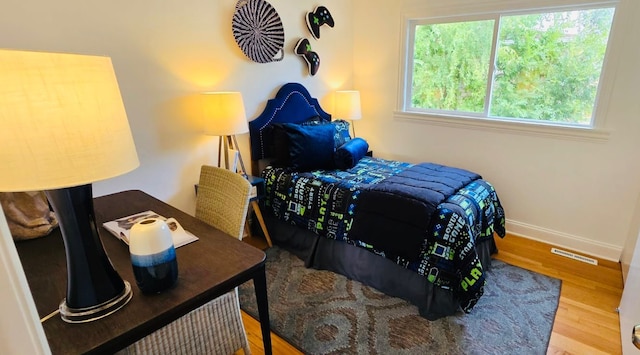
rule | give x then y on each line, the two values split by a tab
303	49
320	16
316	19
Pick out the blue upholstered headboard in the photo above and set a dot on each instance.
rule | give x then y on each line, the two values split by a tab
292	104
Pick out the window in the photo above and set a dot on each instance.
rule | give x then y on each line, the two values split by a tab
536	67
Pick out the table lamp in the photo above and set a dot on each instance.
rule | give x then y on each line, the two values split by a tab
63	126
224	116
347	106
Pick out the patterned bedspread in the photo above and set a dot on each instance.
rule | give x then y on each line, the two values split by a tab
326	202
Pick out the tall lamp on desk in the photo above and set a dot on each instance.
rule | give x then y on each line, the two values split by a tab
63	126
225	117
347	106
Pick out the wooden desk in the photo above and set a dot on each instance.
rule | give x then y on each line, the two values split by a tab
207	268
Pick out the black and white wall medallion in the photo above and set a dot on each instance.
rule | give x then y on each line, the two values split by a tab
258	31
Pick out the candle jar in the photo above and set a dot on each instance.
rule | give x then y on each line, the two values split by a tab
153	256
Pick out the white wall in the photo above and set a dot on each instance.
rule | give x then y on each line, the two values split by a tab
630	245
164	54
575	194
20	329
629	309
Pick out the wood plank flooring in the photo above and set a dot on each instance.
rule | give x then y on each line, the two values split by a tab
586	321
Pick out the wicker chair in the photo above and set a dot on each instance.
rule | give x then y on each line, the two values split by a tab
223	199
216	327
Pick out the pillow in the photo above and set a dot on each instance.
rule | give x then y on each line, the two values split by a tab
280	153
310	147
280	141
342	135
311	121
342	132
350	153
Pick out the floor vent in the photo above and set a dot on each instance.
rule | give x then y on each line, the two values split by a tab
574	256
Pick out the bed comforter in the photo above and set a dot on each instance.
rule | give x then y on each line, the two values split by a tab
426	218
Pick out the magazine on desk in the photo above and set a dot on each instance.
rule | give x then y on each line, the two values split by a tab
121	228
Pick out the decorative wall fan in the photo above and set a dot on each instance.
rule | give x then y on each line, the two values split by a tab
258	31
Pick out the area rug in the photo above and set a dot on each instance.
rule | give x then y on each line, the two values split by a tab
321	312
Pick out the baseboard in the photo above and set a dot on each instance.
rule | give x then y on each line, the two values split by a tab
564	240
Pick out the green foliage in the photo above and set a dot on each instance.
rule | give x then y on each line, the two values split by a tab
451	65
547	65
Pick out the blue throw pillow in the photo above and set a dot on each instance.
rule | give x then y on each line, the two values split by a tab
310	147
350	153
341	136
342	132
279	148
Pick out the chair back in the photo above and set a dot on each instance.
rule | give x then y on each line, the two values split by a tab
223	199
216	327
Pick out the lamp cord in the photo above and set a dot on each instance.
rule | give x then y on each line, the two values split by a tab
47	317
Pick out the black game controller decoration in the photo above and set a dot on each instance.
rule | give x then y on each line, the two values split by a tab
303	49
320	16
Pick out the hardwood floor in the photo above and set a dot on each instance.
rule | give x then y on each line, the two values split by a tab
586	321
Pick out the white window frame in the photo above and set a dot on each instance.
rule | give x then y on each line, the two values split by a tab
596	131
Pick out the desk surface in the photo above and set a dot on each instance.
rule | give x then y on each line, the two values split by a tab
207	269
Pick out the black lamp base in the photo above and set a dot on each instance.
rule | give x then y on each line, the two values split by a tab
83	315
94	288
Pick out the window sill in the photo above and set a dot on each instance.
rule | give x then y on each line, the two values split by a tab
587	134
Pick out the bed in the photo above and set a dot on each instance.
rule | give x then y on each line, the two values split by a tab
422	232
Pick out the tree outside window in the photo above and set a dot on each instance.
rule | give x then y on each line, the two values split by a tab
542	66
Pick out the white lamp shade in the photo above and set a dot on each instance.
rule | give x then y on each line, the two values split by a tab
62	121
224	114
347	105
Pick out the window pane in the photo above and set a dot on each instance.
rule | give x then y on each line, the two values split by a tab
548	65
451	65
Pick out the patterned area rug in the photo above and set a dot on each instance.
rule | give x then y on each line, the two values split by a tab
321	312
